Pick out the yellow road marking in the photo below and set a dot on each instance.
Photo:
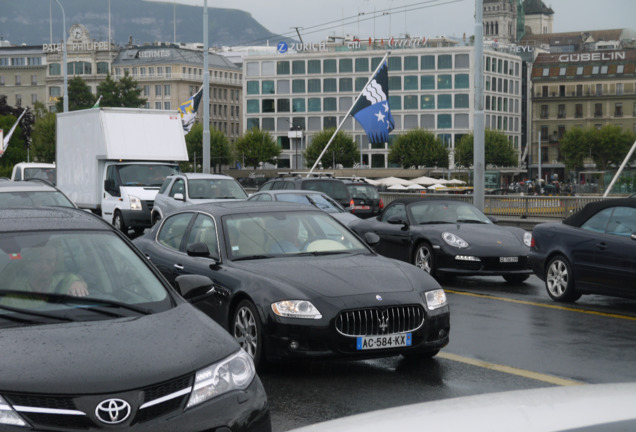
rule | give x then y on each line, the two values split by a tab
548	306
510	370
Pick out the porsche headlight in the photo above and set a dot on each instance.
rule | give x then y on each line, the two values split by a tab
527	239
232	373
296	309
8	416
454	240
135	203
435	299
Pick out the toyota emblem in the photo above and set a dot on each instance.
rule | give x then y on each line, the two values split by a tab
112	411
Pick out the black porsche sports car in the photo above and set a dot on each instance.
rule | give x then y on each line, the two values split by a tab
591	252
291	282
449	238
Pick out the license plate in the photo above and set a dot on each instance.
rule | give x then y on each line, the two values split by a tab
508	259
384	341
361	207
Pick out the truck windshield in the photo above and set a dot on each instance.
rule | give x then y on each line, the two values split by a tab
146	174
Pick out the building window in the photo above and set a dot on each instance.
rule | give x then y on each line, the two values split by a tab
329	66
146	90
346	84
158	105
298	105
282	86
595	70
166	90
395	102
562	71
462	61
158	90
252	106
298	86
168	72
313	105
55	91
599	89
578	110
395	83
252	87
410	102
546	72
618	109
461	101
579	90
619	69
560	131
267	87
427	62
346	65
330	85
604	69
298	67
362	64
410	82
18	80
395	63
427	102
444	82
444	121
313	85
267	106
329	104
561	111
619	89
34	80
598	110
544	133
329	122
282	67
166	105
462	81
445	61
544	111
360	83
427	82
544	91
313	66
444	101
283	105
410	63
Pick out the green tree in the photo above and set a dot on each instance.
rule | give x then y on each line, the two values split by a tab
79	96
43	145
418	148
342	150
606	146
219	148
497	150
124	93
256	146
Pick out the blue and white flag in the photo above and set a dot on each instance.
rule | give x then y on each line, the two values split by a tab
372	108
188	110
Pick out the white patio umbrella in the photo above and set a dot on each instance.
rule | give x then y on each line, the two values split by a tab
437	186
424	181
415	187
456	181
390	181
397	187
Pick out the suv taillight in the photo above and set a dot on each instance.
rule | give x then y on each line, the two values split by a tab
381	204
352	203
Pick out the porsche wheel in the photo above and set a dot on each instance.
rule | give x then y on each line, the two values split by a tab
247	330
559	280
424	259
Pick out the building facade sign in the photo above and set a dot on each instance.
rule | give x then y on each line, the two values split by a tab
592	56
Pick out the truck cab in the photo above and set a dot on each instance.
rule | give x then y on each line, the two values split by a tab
34	170
130	190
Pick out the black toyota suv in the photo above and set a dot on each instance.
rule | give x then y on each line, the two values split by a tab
94	338
366	199
323	182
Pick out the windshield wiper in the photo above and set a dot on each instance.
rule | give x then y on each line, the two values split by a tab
317	253
32	313
93	304
470	221
435	222
253	257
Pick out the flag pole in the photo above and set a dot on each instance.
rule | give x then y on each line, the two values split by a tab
348	113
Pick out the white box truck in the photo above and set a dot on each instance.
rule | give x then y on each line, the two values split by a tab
113	160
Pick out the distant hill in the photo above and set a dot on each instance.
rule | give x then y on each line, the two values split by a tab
29	22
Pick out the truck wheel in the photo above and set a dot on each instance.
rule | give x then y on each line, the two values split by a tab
118	221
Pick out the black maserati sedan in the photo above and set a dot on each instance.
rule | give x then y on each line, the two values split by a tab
447	238
93	338
290	282
591	252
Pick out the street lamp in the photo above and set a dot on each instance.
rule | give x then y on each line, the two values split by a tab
64	56
295	133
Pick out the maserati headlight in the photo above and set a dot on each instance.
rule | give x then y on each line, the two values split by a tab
454	240
232	373
135	203
527	239
435	299
8	416
296	309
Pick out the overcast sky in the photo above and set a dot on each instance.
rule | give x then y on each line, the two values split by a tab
321	18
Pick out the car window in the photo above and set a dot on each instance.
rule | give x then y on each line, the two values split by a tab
598	222
295	198
287	185
267	186
622	222
42	264
172	231
366	192
164	185
215	189
334	188
177	187
34	199
204	230
395	210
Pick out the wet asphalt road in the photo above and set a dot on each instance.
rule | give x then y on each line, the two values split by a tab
503	337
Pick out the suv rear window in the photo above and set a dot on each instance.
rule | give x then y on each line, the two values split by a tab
335	189
363	191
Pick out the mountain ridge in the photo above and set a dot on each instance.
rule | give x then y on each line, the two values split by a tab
30	21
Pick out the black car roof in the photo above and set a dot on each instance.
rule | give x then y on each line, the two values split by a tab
50	218
408	201
577	219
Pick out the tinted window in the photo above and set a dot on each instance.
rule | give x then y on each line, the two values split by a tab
173	229
33	199
335	189
363	191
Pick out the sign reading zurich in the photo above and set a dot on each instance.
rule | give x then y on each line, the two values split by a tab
282	47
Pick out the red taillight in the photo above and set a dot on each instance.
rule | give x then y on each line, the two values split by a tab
532	242
381	204
352	204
